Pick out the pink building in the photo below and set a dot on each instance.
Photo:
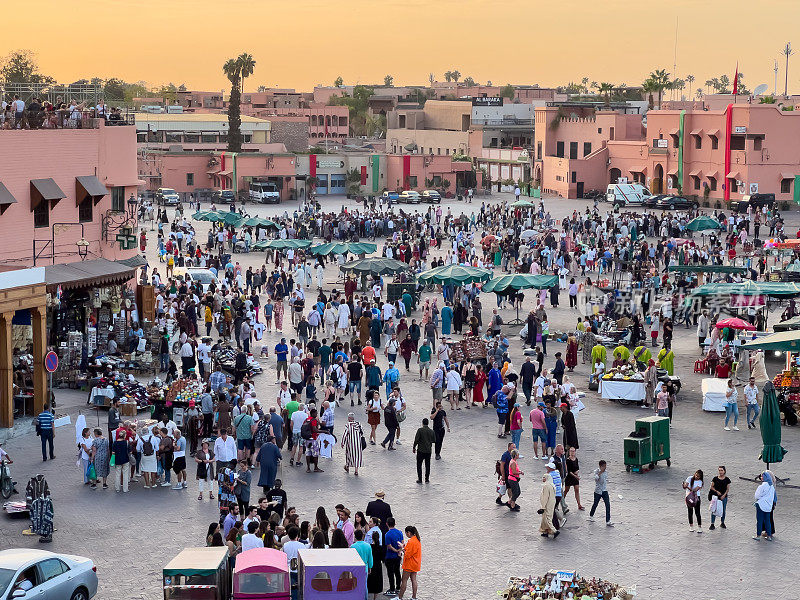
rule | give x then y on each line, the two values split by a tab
324	122
418	172
60	184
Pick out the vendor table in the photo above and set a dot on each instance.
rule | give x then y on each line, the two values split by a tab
714	390
98	395
624	391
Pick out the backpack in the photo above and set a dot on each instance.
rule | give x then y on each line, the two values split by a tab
147	447
334	375
305	430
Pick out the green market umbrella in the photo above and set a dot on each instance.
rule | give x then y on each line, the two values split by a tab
505	284
282	244
523	204
375	266
259	222
519	281
200	215
232	218
454	275
770	424
784	341
775	289
704	224
343	248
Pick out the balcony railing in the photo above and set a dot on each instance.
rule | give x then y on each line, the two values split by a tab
506	122
63	119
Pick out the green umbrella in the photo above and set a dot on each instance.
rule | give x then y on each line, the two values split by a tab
784	341
523	204
343	248
777	289
770	424
259	222
282	244
375	266
455	275
519	281
200	215
704	224
232	218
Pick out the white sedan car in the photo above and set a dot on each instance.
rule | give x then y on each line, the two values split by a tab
43	575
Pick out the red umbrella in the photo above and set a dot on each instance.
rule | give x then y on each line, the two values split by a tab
735	323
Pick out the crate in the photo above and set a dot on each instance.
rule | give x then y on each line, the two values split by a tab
128	409
638	451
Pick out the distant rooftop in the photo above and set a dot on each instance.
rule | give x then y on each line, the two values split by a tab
192	117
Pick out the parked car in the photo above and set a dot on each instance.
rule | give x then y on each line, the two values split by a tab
223	197
431	196
410	197
199	275
753	200
650	201
388	195
675	203
623	194
167	197
31	573
265	192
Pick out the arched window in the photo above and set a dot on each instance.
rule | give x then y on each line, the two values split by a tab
347	582
322	582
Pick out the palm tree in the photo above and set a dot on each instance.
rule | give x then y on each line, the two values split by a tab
787	52
649	87
698	92
233	71
388	81
661	80
585	83
455	75
448	76
431	78
247	64
690	80
605	89
338	82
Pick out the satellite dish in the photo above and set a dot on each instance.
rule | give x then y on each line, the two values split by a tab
760	89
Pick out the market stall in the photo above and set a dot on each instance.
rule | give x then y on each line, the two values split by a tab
714	390
564	584
623	384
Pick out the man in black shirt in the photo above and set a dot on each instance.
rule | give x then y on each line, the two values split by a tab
354	372
527	373
277	496
379	509
439	418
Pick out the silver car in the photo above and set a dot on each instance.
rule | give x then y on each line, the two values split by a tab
42	575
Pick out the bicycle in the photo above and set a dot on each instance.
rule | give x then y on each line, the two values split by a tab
6	483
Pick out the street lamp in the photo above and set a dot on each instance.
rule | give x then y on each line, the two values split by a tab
83	248
132	202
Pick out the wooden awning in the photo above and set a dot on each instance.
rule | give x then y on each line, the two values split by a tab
6	198
89	185
45	189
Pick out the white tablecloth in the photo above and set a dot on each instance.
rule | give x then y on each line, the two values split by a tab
98	391
622	390
714	398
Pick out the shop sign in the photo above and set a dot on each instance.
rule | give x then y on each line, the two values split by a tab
328	163
740	129
661	144
753	188
126	239
487	101
565	575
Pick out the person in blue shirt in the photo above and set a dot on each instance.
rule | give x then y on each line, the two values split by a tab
281	353
390	377
447	319
494	381
45	426
363	548
394	546
501	406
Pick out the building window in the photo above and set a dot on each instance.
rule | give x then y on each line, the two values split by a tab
698	142
412	181
172	137
439	151
246	138
786	186
757	143
208	138
141	138
402	122
41	214
437	180
118	199
587	148
190	179
712	184
314	120
223	138
695	182
573	150
447	151
191	138
85	210
574	176
737	142
675	140
714	142
560	149
538	150
599	130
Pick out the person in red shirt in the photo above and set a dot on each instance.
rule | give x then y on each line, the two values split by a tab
312	445
368	353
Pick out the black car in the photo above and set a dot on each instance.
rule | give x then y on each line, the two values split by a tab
675	203
651	201
753	200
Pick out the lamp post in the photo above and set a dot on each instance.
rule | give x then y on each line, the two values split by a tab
132	203
83	248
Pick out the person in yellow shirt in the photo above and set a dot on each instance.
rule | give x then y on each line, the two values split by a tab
209	318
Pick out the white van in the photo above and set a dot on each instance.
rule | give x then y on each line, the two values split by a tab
264	192
622	194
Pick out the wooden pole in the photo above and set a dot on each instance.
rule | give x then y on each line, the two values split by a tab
6	372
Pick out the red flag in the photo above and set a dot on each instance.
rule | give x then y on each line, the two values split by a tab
736	80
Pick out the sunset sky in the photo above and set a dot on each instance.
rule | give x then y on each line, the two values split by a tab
302	43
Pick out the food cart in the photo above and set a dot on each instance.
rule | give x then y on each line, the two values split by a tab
198	574
648	444
331	573
261	574
623	384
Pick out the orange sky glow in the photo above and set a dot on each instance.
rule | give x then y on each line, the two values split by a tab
310	42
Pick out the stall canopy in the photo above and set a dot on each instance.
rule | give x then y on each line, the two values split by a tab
89	185
196	561
259	222
134	261
523	204
789	325
520	281
343	248
282	244
776	289
785	341
98	272
375	266
704	224
454	275
732	269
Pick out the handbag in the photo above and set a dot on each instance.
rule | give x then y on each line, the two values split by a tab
91	473
111	463
501	488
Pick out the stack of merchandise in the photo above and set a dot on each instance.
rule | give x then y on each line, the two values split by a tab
470	348
225	358
625	373
182	391
126	389
564	584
